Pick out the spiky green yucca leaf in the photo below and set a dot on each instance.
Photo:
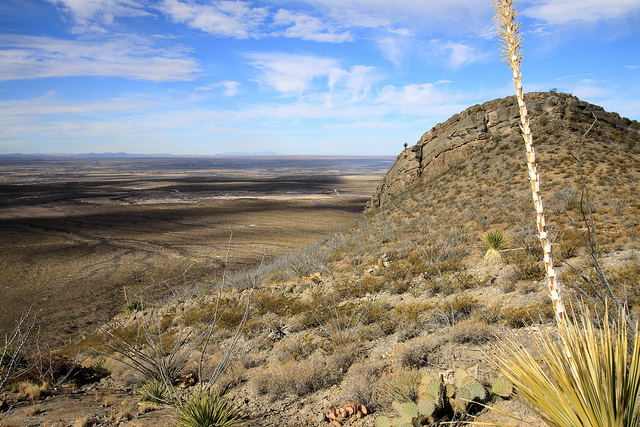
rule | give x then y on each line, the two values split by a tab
155	391
207	409
494	241
593	380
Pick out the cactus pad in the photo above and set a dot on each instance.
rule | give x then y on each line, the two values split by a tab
426	406
459	375
474	390
501	387
382	422
407	410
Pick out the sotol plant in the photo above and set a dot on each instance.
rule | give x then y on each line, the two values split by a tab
509	33
593	377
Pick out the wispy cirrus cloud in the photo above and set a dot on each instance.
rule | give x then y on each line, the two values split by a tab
222	18
32	57
449	16
585	11
307	27
91	15
230	87
457	54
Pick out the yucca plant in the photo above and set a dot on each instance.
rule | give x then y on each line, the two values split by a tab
590	378
494	241
207	409
155	391
509	32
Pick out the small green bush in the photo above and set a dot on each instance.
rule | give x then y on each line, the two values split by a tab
134	306
207	409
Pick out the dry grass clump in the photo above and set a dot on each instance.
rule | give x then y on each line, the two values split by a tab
418	352
400	386
295	347
472	331
28	390
526	314
32	410
302	377
362	382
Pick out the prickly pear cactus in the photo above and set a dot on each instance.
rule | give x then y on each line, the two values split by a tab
475	390
449	390
459	375
501	387
406	410
382	421
426	405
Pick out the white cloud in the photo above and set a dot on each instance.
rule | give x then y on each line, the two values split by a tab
230	87
289	73
448	16
31	57
223	18
307	27
458	54
89	15
391	50
587	11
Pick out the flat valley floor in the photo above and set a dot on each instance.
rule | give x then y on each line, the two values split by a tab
79	237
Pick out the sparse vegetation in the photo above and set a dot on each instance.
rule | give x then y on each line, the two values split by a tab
207	409
361	314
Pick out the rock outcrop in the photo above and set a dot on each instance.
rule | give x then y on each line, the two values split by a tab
466	133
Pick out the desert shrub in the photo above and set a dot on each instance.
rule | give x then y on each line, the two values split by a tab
471	331
417	353
527	265
54	368
569	242
460	308
134	306
362	383
339	321
524	315
276	302
207	409
400	386
305	376
295	347
490	314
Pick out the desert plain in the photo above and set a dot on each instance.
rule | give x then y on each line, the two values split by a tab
81	237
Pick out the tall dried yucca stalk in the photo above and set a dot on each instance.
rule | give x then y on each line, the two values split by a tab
508	31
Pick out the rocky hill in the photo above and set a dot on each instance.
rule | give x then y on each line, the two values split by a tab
361	315
466	134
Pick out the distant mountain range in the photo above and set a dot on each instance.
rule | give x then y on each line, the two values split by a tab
122	154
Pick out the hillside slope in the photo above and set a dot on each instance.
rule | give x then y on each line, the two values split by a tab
404	290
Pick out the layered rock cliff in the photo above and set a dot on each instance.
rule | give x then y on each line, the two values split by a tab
466	133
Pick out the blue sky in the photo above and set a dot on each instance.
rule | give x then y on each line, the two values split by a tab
351	77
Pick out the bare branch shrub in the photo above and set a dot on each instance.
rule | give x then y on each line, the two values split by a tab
14	354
